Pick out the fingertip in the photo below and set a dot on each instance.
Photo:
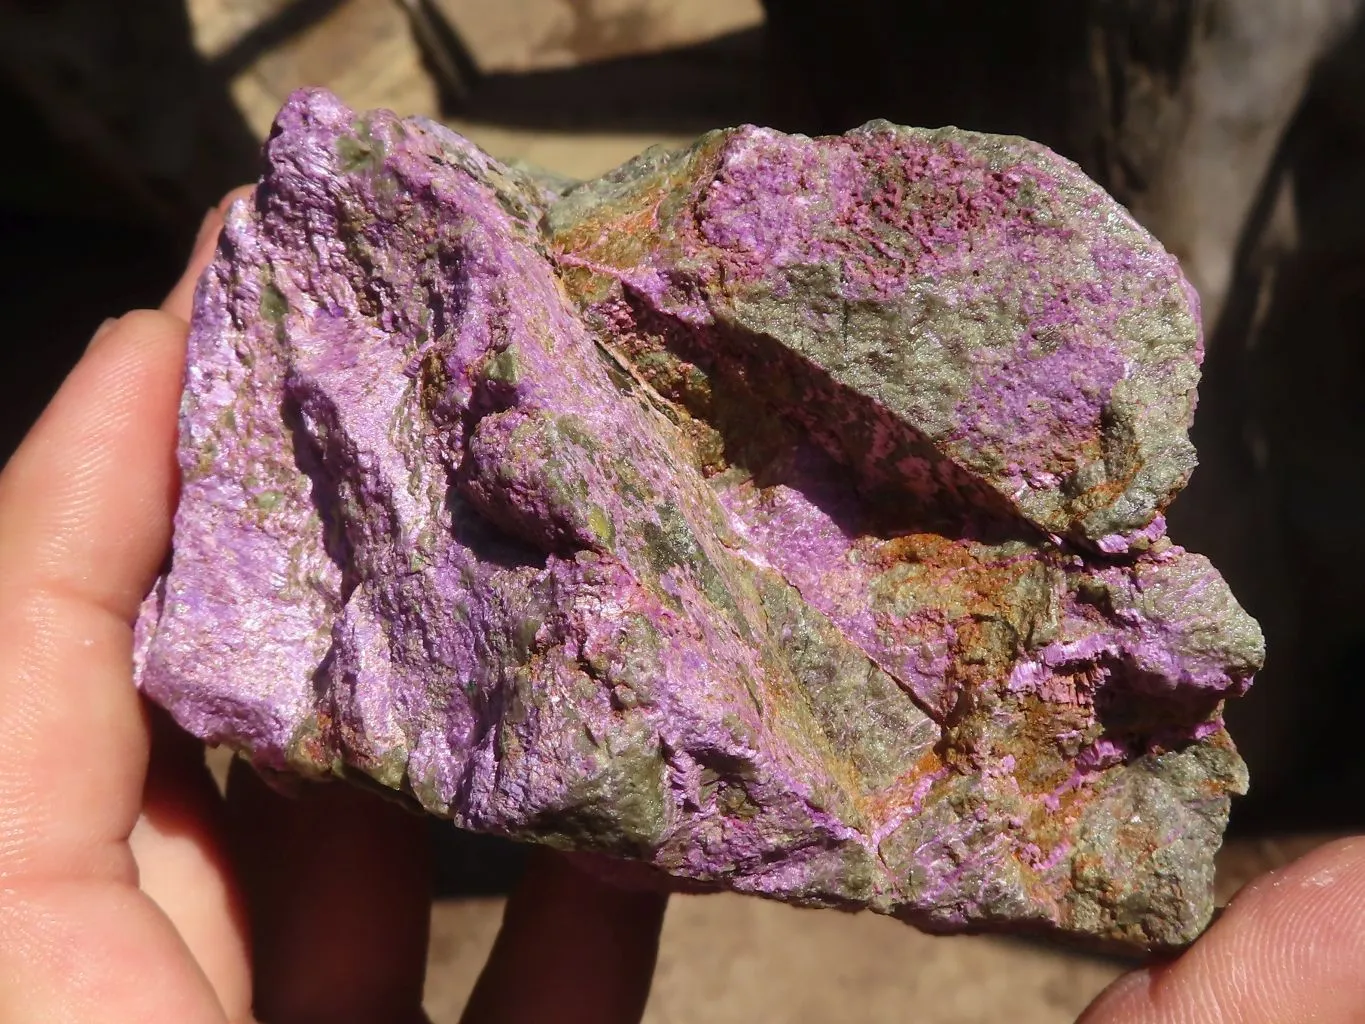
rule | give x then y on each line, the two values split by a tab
180	301
108	325
240	192
137	327
1126	991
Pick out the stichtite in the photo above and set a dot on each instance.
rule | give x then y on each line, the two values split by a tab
778	514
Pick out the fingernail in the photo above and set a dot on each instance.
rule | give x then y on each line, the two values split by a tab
208	230
102	330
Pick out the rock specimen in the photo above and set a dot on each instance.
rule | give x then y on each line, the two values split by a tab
782	513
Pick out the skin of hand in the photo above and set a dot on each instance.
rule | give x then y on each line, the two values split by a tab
130	891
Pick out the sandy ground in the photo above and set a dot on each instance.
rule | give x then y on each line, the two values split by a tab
736	960
733	959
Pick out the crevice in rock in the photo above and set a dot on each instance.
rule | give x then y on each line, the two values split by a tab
487	541
763	401
308	459
1140	711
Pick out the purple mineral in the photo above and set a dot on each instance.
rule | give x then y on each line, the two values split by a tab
784	514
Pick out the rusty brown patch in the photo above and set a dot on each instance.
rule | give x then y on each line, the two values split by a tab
614	237
1103	494
579	281
878	807
946	575
1041	765
931	548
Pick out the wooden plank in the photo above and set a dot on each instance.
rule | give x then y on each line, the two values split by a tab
529	35
122	87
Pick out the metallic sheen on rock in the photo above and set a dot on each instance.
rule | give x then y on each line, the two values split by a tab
781	513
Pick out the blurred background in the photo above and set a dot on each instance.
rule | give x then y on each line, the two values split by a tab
1234	129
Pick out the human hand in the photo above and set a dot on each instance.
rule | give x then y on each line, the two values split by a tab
129	890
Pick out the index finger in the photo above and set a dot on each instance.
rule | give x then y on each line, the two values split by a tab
180	301
85	506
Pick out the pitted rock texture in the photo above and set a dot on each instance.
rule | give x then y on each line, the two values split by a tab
783	514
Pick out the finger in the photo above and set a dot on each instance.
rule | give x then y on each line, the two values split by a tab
1289	947
572	949
92	951
85	507
179	845
84	512
180	301
337	882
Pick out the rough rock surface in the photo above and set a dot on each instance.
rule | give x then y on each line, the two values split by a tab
784	514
